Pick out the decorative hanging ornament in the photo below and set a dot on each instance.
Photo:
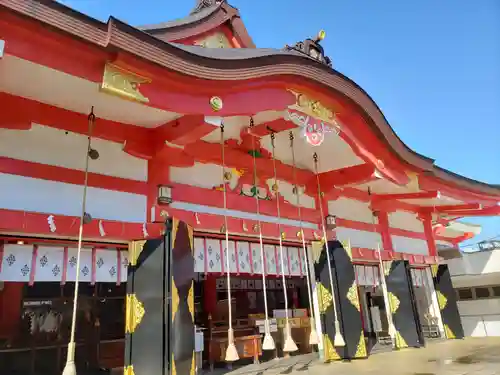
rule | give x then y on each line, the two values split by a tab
313	336
289	344
268	343
231	351
338	340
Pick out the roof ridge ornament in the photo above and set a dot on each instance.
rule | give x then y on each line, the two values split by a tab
203	4
312	48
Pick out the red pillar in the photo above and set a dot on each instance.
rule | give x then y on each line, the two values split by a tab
10	308
383	228
429	233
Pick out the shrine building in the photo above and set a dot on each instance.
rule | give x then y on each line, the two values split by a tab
255	197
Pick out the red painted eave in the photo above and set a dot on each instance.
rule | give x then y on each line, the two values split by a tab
284	69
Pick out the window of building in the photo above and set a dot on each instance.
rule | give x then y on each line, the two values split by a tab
464	294
482	292
496	291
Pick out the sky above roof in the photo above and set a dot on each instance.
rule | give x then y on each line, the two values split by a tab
433	67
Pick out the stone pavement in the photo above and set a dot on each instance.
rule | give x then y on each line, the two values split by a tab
472	356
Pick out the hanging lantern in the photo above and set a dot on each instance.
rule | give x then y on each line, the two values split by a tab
164	194
330	222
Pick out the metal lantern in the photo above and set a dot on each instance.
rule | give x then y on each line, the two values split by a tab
164	194
330	222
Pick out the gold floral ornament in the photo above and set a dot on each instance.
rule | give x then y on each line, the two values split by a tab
352	296
134	250
134	313
449	333
325	298
216	103
227	176
442	300
393	302
361	348
123	83
330	352
400	341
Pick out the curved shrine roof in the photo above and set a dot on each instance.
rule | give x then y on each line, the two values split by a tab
233	65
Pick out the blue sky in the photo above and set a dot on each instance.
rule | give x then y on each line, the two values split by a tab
432	66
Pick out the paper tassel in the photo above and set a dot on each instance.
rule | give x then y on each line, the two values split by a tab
289	345
231	352
52	223
338	340
268	343
101	229
145	231
313	336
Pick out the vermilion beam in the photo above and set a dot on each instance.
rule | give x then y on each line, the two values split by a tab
184	130
277	126
357	174
452	208
405	196
489	211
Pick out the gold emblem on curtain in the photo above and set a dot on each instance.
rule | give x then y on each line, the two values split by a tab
190	300
442	300
393	302
134	250
434	270
449	333
128	370
134	313
347	247
352	296
330	352
175	299
400	341
387	267
361	349
325	298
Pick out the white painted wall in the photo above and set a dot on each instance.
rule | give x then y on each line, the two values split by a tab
31	194
359	238
201	175
405	220
476	263
480	317
409	245
350	209
51	146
